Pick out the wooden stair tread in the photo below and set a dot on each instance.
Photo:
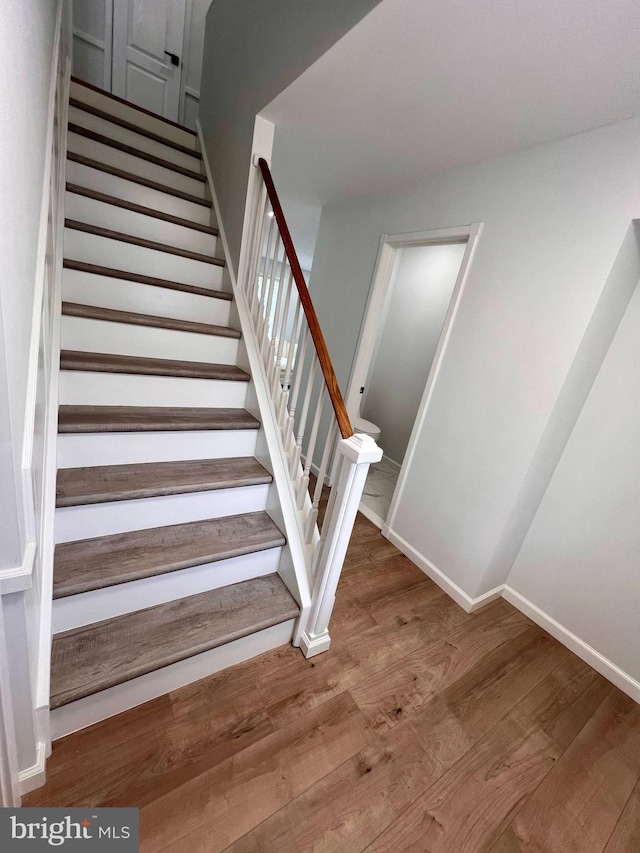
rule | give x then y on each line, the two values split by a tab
132	105
91	564
102	362
110	234
95	269
113	315
134	128
130	176
76	189
75	419
94	658
76	486
135	152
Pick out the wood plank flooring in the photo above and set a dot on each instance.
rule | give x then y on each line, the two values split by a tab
423	729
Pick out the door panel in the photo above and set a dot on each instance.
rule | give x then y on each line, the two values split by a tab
143	32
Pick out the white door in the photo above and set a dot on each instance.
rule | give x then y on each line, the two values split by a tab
147	47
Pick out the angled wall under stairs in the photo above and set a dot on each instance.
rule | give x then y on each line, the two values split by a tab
167	565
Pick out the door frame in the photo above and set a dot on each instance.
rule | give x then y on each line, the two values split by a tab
375	316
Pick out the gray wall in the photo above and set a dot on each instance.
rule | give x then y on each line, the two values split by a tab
252	51
580	559
554	218
416	307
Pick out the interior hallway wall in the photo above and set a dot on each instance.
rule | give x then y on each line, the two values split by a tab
252	51
554	219
416	307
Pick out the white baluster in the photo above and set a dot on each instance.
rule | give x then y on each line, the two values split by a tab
278	326
262	202
292	351
268	301
322	473
297	450
303	486
282	332
295	390
258	292
359	452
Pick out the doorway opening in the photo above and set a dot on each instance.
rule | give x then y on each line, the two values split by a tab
416	288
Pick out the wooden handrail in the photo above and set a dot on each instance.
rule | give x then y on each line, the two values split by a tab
337	401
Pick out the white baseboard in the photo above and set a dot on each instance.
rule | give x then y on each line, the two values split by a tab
437	576
583	650
85	712
35	776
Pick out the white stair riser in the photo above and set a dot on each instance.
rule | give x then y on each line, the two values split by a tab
104	153
130	137
88	607
108	703
96	179
85	335
108	252
86	522
130	114
80	388
81	450
124	295
105	215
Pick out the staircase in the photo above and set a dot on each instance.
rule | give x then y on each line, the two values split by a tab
167	565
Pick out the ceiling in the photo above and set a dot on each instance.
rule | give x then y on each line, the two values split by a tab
421	86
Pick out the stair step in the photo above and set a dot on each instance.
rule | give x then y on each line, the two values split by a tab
74	225
91	312
87	175
134	128
135	152
100	362
96	269
91	659
76	486
88	93
136	179
91	564
139	208
151	419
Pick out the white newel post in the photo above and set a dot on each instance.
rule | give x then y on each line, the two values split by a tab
358	453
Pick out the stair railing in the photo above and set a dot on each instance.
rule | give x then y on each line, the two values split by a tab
326	462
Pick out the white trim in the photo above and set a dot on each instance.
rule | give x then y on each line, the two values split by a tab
438	576
19	578
583	650
311	646
374	317
36	775
85	712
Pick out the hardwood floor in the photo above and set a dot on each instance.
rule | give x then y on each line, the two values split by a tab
423	729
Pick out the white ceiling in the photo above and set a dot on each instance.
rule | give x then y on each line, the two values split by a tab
421	86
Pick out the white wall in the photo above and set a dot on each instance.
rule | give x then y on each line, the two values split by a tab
27	33
252	51
579	562
554	219
417	304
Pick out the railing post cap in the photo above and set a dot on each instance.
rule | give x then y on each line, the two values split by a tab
360	448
